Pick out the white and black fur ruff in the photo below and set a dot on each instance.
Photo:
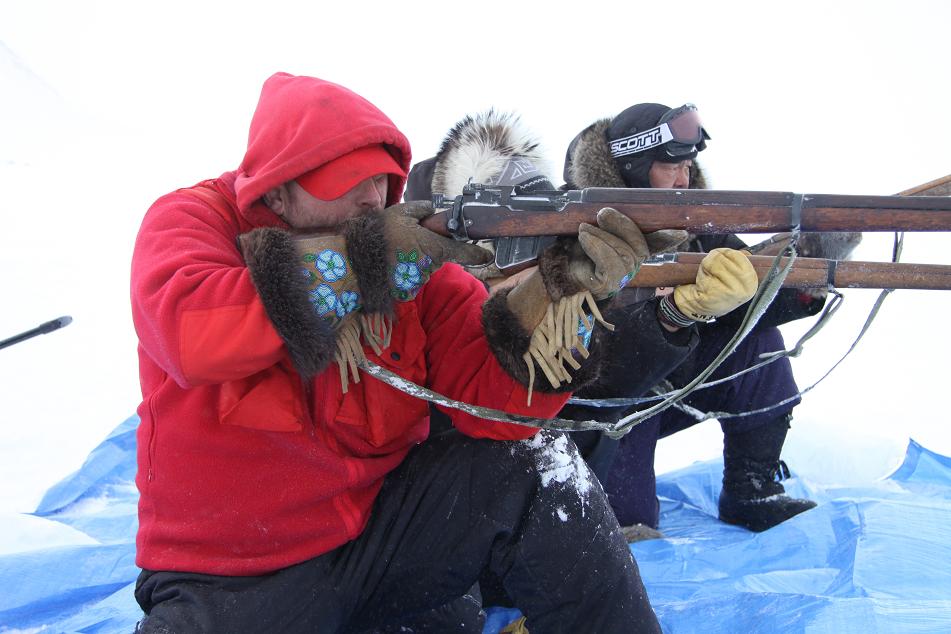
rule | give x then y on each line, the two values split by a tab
478	147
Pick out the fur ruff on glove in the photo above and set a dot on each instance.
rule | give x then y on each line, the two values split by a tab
314	341
373	326
275	271
367	249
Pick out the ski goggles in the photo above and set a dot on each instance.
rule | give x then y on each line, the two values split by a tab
679	131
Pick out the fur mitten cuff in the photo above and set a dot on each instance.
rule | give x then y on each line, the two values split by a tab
276	273
553	266
367	249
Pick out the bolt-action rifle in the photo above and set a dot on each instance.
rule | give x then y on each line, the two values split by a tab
523	223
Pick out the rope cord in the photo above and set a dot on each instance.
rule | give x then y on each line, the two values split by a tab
830	308
771	284
424	393
767	290
827	313
897	248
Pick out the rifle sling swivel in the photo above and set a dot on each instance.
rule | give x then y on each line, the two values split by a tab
795	212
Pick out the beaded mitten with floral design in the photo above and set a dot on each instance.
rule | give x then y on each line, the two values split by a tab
330	295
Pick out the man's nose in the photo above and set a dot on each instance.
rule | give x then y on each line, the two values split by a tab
370	195
683	178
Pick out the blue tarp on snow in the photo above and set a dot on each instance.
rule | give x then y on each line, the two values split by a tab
872	558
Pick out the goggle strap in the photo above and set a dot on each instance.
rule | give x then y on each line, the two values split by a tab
642	141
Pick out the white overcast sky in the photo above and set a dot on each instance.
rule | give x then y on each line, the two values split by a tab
107	105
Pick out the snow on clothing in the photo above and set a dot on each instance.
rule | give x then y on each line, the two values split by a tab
244	468
626	468
530	519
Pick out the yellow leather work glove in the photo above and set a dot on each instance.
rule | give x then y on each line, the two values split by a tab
725	281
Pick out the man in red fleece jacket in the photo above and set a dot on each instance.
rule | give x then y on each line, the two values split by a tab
280	490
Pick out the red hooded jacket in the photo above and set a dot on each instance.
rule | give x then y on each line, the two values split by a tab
243	468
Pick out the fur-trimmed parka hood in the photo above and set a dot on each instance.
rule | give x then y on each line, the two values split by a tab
588	162
493	148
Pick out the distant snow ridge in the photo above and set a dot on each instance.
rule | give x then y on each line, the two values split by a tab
558	461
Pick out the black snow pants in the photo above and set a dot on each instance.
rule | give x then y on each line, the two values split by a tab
529	513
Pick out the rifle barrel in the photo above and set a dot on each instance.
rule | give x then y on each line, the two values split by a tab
702	211
809	273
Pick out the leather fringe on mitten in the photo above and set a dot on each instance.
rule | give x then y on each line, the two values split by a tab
556	339
355	331
274	259
544	359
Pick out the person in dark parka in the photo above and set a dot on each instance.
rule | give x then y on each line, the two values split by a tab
651	145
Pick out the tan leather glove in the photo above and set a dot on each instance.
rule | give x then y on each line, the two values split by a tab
606	257
545	320
308	288
600	262
725	281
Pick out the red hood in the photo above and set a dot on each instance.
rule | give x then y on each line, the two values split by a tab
300	123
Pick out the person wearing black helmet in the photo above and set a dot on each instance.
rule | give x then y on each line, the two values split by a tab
650	145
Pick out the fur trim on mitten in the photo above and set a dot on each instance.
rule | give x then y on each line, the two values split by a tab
368	251
553	266
275	271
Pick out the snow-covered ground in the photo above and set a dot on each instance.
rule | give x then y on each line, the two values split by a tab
110	105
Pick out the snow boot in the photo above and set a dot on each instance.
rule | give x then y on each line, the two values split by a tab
752	495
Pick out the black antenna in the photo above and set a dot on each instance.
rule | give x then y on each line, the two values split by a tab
42	329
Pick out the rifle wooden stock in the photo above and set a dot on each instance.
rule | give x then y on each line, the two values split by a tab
696	210
937	187
809	273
